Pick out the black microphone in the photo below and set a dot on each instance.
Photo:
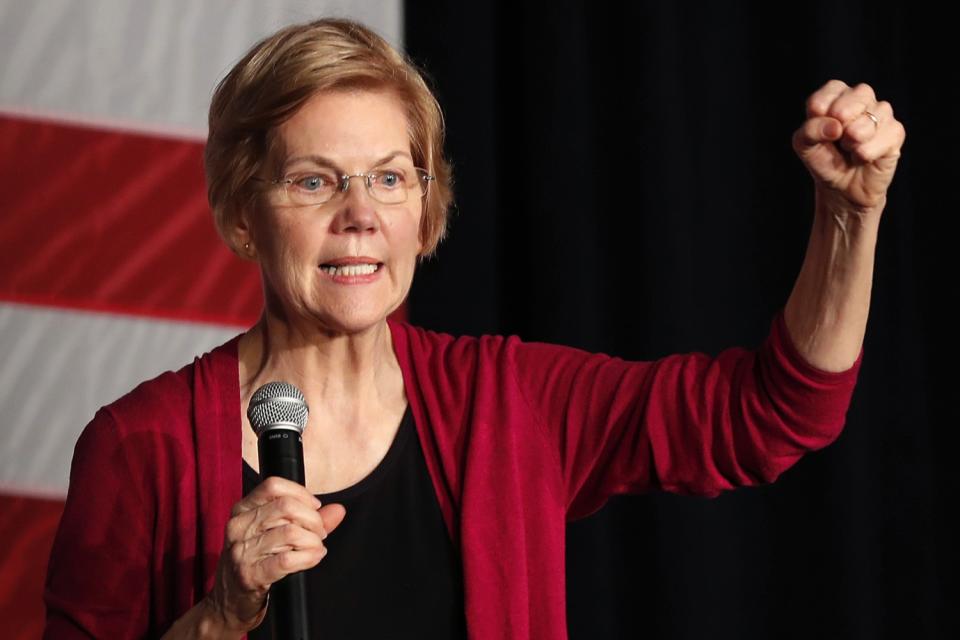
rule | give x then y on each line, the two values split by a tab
278	414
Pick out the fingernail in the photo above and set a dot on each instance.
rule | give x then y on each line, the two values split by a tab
317	502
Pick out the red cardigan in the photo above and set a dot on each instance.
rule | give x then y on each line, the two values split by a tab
519	438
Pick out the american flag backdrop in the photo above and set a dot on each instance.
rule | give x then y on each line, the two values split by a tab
111	270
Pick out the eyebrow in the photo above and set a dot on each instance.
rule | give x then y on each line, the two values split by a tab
327	162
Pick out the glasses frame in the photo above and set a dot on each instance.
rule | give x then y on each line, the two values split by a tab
423	177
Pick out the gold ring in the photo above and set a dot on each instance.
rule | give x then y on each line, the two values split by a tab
876	120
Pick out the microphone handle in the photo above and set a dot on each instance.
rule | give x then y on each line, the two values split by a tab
281	454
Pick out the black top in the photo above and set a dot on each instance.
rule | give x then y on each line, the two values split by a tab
391	570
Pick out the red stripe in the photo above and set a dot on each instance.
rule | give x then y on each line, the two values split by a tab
27	527
115	221
118	222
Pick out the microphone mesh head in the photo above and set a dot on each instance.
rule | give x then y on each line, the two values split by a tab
277	404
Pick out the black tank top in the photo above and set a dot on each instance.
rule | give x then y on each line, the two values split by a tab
391	570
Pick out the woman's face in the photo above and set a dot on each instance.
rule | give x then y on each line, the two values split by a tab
342	266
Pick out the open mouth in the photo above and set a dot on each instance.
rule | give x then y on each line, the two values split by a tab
351	269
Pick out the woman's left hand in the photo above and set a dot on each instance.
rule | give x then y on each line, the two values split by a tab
850	144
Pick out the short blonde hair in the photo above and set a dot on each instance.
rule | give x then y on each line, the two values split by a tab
278	75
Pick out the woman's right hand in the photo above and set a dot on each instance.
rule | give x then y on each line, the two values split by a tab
277	529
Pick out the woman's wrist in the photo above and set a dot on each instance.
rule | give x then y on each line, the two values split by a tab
221	624
834	214
208	620
213	622
201	622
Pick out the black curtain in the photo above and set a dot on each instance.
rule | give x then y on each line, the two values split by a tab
625	183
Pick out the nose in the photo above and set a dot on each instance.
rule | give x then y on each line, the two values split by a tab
357	212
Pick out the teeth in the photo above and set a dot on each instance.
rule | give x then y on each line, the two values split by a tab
350	270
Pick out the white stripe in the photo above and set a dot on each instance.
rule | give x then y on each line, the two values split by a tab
142	63
60	366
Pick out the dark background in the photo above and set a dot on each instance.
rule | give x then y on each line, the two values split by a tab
625	183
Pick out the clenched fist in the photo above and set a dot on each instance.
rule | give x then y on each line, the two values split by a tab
850	144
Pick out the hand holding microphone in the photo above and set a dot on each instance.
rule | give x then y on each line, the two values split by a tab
276	530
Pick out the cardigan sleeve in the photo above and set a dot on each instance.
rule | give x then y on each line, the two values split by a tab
98	580
690	423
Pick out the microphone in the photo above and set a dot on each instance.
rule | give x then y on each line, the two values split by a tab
278	414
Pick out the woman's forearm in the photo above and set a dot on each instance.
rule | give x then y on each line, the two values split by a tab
826	314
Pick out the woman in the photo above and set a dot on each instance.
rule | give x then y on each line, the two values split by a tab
325	166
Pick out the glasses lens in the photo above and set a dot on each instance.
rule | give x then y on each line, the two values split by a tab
388	186
311	188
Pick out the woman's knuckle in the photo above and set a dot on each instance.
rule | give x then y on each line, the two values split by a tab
286	504
272	485
235	553
234	530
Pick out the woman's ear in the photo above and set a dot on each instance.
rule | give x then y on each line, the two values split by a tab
240	239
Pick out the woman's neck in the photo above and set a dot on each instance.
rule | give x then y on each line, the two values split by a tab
344	376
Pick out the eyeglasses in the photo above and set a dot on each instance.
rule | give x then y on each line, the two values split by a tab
388	186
